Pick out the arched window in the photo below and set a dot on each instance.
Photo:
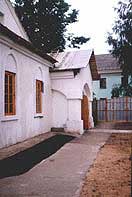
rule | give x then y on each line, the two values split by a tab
10	87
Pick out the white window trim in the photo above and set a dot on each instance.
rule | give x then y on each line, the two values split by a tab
38	115
9	118
15	117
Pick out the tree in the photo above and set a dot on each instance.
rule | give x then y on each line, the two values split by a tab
120	90
45	22
121	41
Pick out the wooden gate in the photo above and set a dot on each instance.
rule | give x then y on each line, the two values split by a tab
85	112
116	109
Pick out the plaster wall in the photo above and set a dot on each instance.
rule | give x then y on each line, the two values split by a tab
10	20
111	80
60	109
26	123
72	87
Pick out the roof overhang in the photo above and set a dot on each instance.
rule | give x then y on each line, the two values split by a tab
74	70
116	71
22	42
93	67
1	14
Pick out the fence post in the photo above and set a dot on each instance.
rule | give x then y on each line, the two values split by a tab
126	108
94	111
113	108
106	110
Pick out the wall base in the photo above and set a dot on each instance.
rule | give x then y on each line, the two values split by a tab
74	126
91	122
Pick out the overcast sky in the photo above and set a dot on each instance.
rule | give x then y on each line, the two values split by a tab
95	20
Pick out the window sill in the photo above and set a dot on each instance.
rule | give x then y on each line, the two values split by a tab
39	116
103	88
9	118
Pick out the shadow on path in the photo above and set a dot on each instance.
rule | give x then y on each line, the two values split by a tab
27	159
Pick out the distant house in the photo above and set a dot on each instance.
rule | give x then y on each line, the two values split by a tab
32	99
110	75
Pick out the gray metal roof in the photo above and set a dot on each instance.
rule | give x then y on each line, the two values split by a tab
106	62
72	59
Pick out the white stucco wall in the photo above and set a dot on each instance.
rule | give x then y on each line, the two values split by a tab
111	80
73	88
26	123
60	109
10	19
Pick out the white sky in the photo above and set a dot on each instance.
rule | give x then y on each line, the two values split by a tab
95	20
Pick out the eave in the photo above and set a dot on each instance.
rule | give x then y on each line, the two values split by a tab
22	42
74	70
93	67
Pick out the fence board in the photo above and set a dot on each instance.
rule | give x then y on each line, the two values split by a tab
116	109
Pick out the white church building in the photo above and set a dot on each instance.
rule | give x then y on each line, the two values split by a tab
40	91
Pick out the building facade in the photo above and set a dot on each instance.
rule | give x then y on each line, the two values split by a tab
39	91
25	110
110	76
72	85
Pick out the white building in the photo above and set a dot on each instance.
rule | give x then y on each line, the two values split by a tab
21	68
32	100
72	90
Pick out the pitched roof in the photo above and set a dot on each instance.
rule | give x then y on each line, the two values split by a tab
72	60
106	62
24	43
9	13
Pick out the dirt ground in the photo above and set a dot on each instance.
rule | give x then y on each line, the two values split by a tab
110	175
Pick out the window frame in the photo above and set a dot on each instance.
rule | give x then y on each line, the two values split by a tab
8	111
102	83
39	91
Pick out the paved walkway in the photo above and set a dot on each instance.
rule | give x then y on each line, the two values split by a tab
60	175
98	130
21	146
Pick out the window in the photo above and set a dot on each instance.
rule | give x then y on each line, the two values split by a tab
39	90
103	83
9	94
124	81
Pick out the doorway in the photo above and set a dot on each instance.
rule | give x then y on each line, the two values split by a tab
85	112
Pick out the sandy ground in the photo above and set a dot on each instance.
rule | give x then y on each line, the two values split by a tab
110	175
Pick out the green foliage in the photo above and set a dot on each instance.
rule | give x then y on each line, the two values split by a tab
115	91
121	37
45	22
119	90
121	41
75	42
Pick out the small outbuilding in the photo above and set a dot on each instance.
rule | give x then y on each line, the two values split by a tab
72	86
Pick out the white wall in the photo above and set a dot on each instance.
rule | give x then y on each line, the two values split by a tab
60	109
25	123
10	19
72	87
